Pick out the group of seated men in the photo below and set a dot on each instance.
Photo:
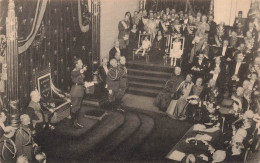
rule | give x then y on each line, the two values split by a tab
21	144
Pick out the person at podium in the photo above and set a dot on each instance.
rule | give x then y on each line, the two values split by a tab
77	90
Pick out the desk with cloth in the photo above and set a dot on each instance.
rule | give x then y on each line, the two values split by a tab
183	148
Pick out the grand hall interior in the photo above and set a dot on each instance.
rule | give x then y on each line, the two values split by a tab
129	81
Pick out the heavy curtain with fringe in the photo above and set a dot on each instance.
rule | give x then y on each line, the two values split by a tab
50	32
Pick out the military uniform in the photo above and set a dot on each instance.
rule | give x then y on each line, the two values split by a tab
8	150
36	112
113	78
122	81
24	142
77	91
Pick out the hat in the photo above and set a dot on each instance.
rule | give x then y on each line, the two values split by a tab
240	12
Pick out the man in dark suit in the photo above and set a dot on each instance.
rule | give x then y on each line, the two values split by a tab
102	72
77	90
217	71
199	67
114	50
237	72
212	29
224	51
239	19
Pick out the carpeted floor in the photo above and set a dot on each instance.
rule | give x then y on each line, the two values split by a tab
134	136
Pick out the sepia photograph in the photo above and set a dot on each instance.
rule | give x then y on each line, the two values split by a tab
129	81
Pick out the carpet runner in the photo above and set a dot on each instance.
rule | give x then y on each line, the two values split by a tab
103	149
75	147
127	148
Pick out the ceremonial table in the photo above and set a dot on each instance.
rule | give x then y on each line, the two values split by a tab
193	147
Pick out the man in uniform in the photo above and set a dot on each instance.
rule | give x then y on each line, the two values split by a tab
23	138
77	90
113	83
7	146
122	81
39	115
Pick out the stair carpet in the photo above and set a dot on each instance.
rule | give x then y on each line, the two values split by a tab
116	143
147	79
120	145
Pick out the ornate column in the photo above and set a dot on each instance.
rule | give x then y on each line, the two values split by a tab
12	63
95	24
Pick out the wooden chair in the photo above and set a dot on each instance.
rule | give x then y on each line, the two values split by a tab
167	48
139	54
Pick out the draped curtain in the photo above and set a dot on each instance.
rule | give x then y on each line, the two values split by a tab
179	5
50	32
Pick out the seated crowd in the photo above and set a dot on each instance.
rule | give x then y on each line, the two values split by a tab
217	68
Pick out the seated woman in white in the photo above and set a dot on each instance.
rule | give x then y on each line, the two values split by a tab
146	44
176	50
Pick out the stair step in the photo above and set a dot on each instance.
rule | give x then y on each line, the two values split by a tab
132	71
76	147
131	125
150	66
143	91
145	85
125	150
147	79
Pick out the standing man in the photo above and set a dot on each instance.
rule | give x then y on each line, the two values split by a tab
7	146
122	82
102	72
114	50
113	83
77	90
239	19
23	139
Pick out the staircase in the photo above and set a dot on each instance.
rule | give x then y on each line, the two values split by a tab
147	79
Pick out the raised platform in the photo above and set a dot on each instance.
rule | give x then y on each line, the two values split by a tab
147	79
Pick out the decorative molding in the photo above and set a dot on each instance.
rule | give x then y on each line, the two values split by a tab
84	15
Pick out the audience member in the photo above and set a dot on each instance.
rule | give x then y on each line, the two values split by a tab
123	35
163	99
158	47
146	44
114	50
177	106
7	146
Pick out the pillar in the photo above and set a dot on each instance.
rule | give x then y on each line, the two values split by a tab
12	63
